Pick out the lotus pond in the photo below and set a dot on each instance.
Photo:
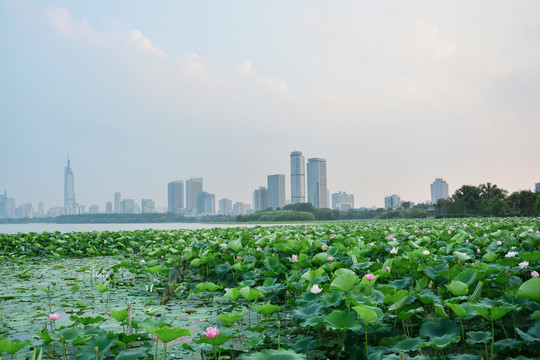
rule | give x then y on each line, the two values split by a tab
420	289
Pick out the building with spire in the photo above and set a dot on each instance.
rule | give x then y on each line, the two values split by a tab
69	188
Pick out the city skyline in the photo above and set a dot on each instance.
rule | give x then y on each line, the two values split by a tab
391	96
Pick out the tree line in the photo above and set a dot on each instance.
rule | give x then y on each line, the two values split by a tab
489	200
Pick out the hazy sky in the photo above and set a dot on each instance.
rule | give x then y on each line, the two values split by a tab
392	93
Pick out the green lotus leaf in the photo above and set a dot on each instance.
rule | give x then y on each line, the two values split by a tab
477	337
129	355
340	320
103	343
235	245
12	346
208	286
233	294
119	315
506	344
530	289
366	313
217	341
466	277
101	288
250	294
345	280
398	304
280	354
303	344
461	256
489	257
87	320
168	334
477	293
253	341
458	288
267	309
409	344
273	264
229	319
442	342
312	274
433	329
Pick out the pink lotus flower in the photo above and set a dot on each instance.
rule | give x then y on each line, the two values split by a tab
370	277
238	258
416	231
534	274
324	246
211	332
429	231
442	231
259	249
371	244
294	257
478	251
390	237
315	289
388	268
332	237
330	258
54	317
375	227
227	263
499	242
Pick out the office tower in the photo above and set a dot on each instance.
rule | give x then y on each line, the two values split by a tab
537	187
392	202
260	199
108	207
117	203
7	205
175	196
41	211
128	206
206	203
298	178
69	189
239	208
148	206
225	207
93	209
342	201
316	181
439	190
276	191
194	186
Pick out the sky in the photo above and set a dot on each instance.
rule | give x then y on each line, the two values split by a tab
392	94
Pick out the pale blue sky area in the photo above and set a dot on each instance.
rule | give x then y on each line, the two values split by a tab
393	94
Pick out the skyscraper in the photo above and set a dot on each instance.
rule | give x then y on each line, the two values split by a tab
117	203
298	178
69	187
537	187
439	190
342	201
175	195
316	181
392	202
148	206
206	203
225	207
260	199
276	191
194	186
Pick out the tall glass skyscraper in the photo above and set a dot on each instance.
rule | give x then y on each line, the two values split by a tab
69	187
194	187
439	190
276	191
175	196
316	181
298	178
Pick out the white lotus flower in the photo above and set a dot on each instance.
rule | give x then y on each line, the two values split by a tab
523	265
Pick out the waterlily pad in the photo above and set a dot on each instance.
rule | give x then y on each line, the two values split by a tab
345	280
458	288
280	354
340	320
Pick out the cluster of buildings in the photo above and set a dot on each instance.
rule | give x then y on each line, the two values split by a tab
308	183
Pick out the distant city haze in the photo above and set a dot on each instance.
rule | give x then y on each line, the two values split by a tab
390	96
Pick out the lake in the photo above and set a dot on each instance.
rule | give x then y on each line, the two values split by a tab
64	228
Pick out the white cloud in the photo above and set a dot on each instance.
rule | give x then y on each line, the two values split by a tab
144	44
500	70
426	39
266	80
411	89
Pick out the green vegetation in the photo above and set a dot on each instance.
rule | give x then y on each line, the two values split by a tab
407	289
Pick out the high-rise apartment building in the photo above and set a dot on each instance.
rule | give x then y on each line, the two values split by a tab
260	199
342	201
225	207
439	190
392	202
206	203
194	186
239	208
108	207
93	209
129	206
7	206
298	178
148	206
537	187
175	196
117	203
276	191
316	183
69	187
